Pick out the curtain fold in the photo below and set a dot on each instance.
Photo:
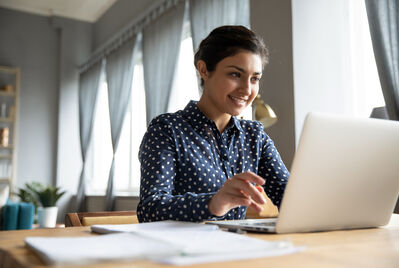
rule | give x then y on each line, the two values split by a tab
383	17
119	73
161	45
89	83
205	15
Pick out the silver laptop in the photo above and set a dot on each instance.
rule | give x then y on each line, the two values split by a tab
345	175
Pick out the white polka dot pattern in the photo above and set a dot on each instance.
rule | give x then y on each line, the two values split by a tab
185	160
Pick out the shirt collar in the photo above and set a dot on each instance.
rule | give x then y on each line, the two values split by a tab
198	119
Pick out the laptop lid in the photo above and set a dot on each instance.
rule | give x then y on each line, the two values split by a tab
345	175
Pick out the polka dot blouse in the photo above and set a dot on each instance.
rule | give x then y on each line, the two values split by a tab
185	160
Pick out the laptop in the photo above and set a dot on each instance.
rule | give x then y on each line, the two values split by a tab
345	175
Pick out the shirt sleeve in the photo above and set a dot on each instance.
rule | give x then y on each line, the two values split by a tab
273	170
159	159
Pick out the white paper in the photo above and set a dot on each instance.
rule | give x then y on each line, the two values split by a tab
169	242
152	226
110	247
215	246
197	259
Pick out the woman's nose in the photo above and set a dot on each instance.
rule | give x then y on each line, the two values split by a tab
246	85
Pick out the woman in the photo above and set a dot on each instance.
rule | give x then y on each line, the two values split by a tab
202	163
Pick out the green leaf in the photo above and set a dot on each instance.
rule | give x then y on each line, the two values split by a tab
37	193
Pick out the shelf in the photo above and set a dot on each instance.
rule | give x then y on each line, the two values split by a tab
6	119
9	70
4	180
6	147
7	94
9	102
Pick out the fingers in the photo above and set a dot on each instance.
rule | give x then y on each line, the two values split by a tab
244	201
256	207
248	190
250	176
240	201
240	190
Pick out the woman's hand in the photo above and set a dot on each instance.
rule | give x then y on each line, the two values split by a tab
238	191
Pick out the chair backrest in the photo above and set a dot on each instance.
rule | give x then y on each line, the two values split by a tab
107	217
269	210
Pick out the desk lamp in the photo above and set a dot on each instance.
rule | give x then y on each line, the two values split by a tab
263	113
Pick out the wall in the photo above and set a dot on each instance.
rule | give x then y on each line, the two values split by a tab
29	42
272	20
117	17
48	51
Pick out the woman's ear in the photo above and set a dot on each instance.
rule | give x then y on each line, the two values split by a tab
202	70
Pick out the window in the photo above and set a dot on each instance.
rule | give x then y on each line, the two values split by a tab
367	92
127	165
185	85
101	146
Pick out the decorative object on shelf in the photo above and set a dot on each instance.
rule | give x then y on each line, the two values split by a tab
4	136
17	216
263	113
7	88
45	198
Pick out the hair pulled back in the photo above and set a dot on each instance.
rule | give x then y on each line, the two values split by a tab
226	41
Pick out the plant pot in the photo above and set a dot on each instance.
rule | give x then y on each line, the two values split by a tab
47	217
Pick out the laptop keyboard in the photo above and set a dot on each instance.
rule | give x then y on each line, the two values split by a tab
259	223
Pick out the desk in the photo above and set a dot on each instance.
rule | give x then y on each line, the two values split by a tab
378	247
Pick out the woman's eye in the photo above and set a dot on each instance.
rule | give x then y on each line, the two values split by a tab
255	79
235	74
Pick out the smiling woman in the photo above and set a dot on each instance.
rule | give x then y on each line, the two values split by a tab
202	163
230	88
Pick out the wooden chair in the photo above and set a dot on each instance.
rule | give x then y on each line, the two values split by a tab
91	218
269	210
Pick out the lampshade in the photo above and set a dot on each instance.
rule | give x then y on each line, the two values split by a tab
263	113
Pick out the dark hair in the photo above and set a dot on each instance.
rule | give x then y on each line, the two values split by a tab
226	41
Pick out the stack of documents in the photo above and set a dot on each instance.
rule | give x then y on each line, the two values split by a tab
169	242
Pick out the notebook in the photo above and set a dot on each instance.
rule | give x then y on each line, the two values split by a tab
345	175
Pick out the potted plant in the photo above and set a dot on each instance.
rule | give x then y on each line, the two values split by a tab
26	196
45	199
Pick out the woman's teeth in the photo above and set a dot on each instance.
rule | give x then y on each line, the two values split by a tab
238	99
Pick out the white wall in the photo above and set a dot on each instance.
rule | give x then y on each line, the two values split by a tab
321	52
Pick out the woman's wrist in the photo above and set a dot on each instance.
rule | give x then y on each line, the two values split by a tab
214	206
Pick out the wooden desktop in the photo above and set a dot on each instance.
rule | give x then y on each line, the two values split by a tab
376	247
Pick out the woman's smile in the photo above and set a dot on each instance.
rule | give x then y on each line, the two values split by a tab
239	101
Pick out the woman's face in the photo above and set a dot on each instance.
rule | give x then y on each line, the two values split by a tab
234	83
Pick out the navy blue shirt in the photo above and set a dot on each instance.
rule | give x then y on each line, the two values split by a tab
185	160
